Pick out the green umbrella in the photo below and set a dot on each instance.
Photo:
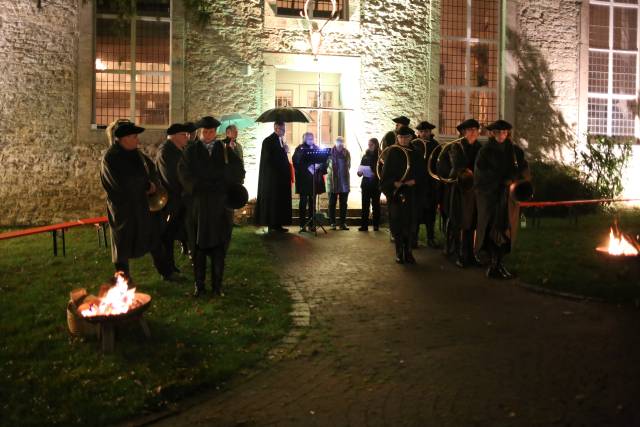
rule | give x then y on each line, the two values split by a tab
241	121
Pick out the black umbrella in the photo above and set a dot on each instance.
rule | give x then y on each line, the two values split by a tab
284	114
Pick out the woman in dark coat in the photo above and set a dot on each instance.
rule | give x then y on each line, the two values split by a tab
306	178
128	176
273	205
370	186
207	171
400	194
463	212
499	163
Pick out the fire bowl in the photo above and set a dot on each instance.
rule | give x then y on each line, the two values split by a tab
142	303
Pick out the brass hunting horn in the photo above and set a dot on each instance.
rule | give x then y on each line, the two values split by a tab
440	150
382	159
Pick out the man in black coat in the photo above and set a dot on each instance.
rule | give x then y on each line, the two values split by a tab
273	205
499	163
370	186
167	157
307	174
462	202
427	195
207	170
400	192
390	137
128	176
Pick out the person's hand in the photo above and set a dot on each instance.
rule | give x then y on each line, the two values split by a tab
359	173
286	147
410	183
398	184
152	188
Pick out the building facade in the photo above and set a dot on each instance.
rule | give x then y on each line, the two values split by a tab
556	68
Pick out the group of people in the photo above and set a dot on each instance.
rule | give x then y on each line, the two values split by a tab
199	180
472	185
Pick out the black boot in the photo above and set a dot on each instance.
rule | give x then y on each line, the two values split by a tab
506	275
199	271
399	251
408	256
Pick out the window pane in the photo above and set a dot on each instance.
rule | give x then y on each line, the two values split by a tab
484	19
113	97
158	8
599	27
284	98
625	28
451	110
626	1
152	46
597	112
152	99
623	117
325	125
624	73
321	9
113	49
484	65
484	106
598	72
454	18
452	63
113	7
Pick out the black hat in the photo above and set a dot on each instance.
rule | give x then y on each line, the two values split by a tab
425	125
190	127
405	130
402	120
176	128
208	122
468	124
500	125
237	196
127	128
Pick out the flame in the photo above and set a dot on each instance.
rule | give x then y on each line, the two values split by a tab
118	299
620	245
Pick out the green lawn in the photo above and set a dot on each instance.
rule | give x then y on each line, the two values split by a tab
48	377
561	256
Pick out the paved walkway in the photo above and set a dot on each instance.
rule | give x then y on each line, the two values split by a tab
430	345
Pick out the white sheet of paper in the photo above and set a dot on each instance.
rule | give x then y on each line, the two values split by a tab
366	171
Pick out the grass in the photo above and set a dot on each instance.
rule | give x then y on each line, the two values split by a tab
560	255
48	377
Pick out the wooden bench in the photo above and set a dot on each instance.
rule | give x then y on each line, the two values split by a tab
58	230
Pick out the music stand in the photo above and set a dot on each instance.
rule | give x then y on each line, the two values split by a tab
315	156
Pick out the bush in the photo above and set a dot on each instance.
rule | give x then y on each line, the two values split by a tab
554	181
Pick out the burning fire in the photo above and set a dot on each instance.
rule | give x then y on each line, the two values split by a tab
620	246
118	299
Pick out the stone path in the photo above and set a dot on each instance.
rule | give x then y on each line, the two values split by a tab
430	345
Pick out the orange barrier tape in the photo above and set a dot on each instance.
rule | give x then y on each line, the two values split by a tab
573	202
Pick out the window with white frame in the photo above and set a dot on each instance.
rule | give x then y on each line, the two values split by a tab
321	8
613	67
132	62
469	62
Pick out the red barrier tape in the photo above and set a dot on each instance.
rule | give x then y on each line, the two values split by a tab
573	202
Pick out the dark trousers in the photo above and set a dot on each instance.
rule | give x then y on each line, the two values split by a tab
306	200
173	231
426	216
217	255
159	262
370	198
333	199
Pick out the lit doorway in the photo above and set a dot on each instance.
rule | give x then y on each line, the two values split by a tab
300	89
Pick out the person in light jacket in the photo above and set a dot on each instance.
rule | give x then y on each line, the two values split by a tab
338	165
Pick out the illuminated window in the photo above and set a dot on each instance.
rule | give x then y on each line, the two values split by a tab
321	8
325	124
613	67
284	98
132	63
469	62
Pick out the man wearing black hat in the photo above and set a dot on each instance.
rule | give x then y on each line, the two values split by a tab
128	177
427	195
462	200
400	192
167	157
273	205
187	244
498	164
390	137
207	171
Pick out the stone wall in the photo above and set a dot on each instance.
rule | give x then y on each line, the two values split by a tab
543	39
42	166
